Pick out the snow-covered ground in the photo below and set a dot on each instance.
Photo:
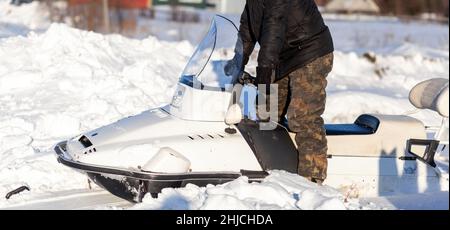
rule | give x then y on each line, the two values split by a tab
280	190
56	82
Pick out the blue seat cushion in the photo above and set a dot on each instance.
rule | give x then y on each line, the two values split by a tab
364	125
347	129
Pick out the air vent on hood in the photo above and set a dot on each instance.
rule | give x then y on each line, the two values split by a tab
205	137
85	141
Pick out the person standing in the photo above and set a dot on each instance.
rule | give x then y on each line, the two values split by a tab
296	52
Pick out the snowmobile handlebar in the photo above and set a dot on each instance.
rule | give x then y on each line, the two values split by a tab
246	79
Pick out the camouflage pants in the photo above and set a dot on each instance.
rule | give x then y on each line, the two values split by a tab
302	97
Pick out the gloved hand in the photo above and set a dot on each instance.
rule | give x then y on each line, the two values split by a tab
231	67
246	79
265	76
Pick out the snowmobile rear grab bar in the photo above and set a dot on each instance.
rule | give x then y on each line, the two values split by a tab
429	153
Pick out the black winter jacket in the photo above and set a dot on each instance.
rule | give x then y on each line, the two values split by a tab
291	34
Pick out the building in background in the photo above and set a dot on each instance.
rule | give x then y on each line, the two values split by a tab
352	6
20	2
192	3
131	17
409	8
130	4
414	7
117	16
228	6
221	6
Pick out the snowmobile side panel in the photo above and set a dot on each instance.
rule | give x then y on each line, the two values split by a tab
132	185
274	149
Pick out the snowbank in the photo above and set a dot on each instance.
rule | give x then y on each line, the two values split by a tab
280	190
62	82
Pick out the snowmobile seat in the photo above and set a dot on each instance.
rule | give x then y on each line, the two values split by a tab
373	135
389	138
347	129
433	95
364	125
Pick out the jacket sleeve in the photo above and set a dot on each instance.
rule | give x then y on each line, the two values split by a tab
273	32
248	39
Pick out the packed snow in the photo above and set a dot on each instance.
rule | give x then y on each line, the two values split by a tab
56	82
280	190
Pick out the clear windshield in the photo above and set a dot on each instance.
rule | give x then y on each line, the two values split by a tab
220	49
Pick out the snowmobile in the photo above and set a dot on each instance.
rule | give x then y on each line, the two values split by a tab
205	136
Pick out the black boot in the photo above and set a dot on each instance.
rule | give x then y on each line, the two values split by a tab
317	181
